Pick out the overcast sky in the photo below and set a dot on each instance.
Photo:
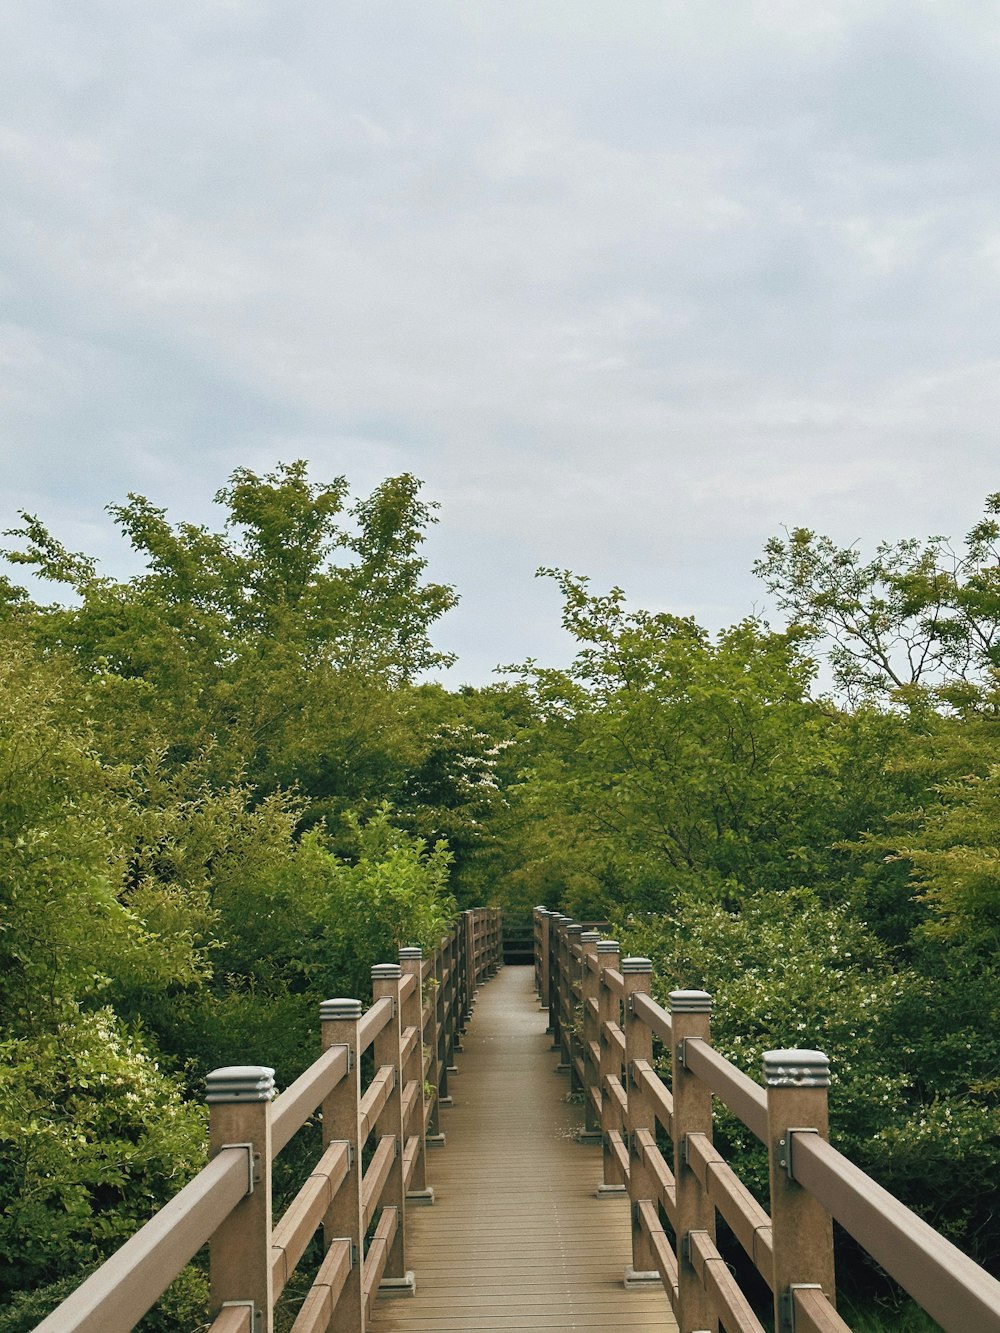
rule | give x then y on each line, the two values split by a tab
629	285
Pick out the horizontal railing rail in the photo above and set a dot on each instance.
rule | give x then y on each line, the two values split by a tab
372	1164
604	1019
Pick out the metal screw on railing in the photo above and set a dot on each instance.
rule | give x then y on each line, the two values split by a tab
690	1012
797	1091
239	1104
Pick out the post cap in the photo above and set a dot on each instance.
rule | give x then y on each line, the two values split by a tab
690	1002
590	937
331	1010
631	966
386	972
411	952
240	1083
574	929
607	946
796	1069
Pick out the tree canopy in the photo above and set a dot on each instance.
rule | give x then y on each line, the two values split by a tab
227	787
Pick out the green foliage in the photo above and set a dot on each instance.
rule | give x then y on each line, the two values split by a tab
165	743
93	1136
916	615
914	1095
241	639
184	1305
680	762
955	859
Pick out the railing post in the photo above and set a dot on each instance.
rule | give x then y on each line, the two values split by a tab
589	987
441	997
608	956
386	979
542	961
446	976
462	983
470	962
432	1041
411	962
239	1115
339	1027
573	989
638	975
451	1006
557	924
691	1012
802	1231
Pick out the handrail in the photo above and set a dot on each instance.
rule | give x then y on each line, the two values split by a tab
377	1017
227	1202
296	1104
304	1214
746	1099
947	1283
123	1289
603	1019
655	1018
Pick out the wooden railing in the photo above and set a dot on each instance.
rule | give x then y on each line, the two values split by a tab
604	1022
372	1165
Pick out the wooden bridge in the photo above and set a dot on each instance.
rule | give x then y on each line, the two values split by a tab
523	1167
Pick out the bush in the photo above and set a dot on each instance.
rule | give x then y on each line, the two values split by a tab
94	1138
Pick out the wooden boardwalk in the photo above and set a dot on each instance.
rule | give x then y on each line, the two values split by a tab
517	1238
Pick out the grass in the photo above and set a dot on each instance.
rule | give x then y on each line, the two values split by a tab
887	1316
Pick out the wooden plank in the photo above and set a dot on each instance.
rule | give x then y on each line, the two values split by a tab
517	1238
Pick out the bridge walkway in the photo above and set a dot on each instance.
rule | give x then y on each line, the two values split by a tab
517	1238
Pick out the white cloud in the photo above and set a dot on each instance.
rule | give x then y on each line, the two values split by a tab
629	286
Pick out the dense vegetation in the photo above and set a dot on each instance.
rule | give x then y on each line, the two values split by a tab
224	793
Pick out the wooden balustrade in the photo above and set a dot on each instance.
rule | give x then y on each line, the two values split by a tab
604	1022
371	1168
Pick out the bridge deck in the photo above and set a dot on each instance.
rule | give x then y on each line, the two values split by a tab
516	1238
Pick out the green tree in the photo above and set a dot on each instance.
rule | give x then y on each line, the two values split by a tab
300	609
918	614
679	760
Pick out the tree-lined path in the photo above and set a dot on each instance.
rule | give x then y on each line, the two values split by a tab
517	1237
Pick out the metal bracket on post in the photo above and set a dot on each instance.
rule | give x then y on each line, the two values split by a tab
788	1302
785	1145
680	1055
350	1161
256	1316
351	1247
686	1243
253	1176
